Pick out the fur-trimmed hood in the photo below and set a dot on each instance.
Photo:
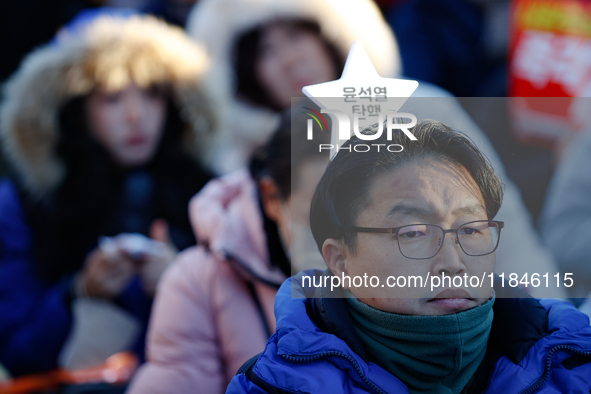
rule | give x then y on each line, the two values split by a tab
109	50
218	24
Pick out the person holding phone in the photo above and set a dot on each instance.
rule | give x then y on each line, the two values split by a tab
104	129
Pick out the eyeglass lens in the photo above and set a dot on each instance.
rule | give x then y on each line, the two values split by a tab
423	241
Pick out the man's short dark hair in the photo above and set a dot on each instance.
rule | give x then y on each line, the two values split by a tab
343	190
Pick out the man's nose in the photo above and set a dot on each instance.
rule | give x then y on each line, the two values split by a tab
449	258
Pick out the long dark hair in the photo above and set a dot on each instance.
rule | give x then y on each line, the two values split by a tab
67	223
282	159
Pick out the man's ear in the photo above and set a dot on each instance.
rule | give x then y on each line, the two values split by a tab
270	198
335	254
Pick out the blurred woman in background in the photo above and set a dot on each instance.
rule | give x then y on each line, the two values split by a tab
267	50
103	128
214	307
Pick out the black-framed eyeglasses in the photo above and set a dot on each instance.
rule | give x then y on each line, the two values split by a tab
424	241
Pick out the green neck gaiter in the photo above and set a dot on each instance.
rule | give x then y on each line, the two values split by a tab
434	354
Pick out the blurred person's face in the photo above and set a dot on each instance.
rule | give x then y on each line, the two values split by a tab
426	192
289	58
296	208
128	123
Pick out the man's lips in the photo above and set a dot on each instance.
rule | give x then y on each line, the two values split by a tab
451	293
456	299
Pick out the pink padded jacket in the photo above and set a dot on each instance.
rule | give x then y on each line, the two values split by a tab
205	321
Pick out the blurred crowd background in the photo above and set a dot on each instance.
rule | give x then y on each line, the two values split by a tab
472	48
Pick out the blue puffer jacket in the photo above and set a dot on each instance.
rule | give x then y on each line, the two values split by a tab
534	347
35	317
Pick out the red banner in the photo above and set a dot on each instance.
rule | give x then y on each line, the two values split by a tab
550	56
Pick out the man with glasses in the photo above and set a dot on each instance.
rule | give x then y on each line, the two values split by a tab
425	212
